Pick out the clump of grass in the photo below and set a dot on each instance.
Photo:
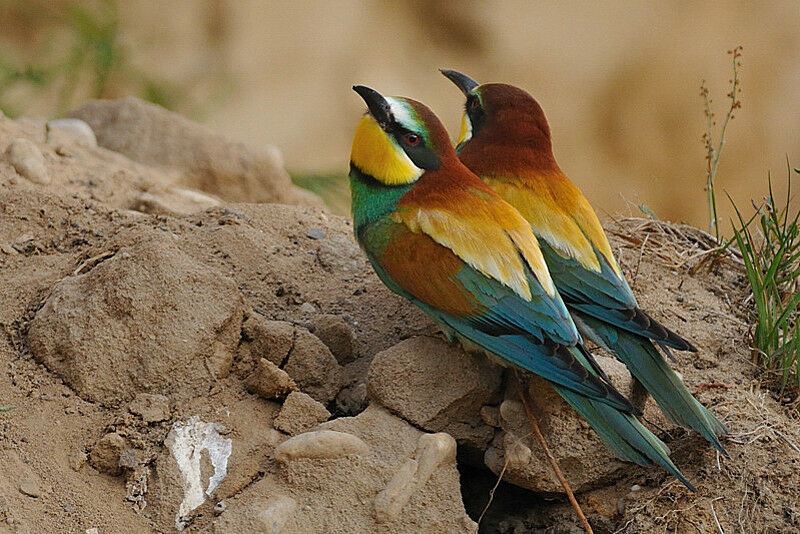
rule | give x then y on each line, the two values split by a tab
714	151
771	253
769	243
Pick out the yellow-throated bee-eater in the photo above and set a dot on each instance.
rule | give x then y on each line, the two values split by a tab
440	237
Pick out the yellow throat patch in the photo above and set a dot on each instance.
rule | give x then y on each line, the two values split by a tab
466	129
379	156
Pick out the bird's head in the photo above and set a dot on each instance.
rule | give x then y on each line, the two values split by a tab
499	113
398	139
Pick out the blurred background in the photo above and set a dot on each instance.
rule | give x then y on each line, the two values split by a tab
619	81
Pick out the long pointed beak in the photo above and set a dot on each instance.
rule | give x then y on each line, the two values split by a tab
377	104
462	81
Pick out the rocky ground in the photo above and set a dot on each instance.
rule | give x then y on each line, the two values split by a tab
186	350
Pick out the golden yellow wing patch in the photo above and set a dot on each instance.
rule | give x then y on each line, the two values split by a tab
379	156
488	235
559	214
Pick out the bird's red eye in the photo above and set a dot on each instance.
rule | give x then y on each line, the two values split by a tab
412	139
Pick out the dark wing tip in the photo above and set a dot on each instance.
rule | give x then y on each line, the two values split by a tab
600	381
660	333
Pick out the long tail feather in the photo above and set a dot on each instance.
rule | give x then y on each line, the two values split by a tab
645	363
623	434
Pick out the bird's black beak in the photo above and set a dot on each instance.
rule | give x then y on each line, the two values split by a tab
377	104
462	81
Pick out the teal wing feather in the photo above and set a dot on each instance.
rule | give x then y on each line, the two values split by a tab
606	312
622	433
649	367
606	296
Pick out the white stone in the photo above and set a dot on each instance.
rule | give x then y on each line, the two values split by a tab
432	451
27	160
320	444
186	441
70	131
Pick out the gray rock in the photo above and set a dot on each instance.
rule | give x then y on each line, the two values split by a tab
313	368
300	413
437	387
337	336
315	233
31	487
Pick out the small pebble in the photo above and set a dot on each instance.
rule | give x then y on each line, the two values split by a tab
68	508
315	233
30	487
636	487
307	307
219	507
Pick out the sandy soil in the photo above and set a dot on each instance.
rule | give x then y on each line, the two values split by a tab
102	301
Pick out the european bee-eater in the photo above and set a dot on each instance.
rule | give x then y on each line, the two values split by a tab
505	140
440	237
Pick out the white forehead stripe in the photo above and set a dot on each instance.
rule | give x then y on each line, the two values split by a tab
401	111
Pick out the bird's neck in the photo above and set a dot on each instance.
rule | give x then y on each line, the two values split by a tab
510	147
500	156
372	199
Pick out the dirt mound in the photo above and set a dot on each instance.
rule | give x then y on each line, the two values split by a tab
137	321
174	368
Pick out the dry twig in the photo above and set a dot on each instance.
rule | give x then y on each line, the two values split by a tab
553	463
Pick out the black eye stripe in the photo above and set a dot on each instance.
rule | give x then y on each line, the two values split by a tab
422	155
476	114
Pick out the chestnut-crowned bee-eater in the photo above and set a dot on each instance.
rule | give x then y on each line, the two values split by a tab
505	140
440	237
